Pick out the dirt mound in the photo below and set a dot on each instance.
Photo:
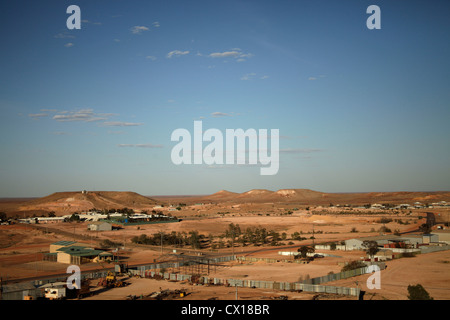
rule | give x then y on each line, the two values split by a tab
256	193
311	197
66	202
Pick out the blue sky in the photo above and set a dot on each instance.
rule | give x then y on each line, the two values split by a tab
358	110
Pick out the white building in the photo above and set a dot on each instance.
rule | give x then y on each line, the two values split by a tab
100	226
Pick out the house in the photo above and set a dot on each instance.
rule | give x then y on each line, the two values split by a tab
79	255
99	226
356	244
60	244
72	252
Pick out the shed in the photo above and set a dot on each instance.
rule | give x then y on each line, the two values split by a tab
356	244
100	226
443	235
79	254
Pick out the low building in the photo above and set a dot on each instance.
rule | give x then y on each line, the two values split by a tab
72	252
99	226
430	238
60	244
357	243
443	235
79	255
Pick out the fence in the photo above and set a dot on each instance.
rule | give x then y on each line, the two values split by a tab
260	284
342	275
312	285
429	249
269	260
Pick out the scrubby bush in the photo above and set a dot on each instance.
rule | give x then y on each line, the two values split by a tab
418	292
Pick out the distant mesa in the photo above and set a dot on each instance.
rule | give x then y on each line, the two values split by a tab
71	201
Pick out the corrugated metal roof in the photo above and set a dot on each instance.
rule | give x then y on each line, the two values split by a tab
82	251
375	238
63	243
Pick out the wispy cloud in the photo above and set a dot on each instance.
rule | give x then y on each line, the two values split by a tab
68	45
248	76
299	150
312	78
60	133
145	145
235	53
153	58
220	114
64	35
85	115
91	22
139	29
156	24
224	54
121	124
176	53
37	115
252	75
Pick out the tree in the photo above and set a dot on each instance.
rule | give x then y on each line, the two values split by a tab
304	250
417	292
352	265
425	228
74	217
371	247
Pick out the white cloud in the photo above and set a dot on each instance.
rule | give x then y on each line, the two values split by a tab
64	35
264	77
234	53
139	29
91	22
220	114
37	115
145	145
121	124
68	45
176	53
248	76
224	54
312	78
84	115
156	24
153	58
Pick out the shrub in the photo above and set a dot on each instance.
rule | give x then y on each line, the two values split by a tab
352	265
417	292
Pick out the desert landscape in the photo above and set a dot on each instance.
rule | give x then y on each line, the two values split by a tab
289	219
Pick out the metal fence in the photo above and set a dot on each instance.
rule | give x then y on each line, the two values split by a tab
343	275
260	284
17	292
271	260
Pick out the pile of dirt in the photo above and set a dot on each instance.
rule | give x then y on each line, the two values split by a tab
312	197
67	202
